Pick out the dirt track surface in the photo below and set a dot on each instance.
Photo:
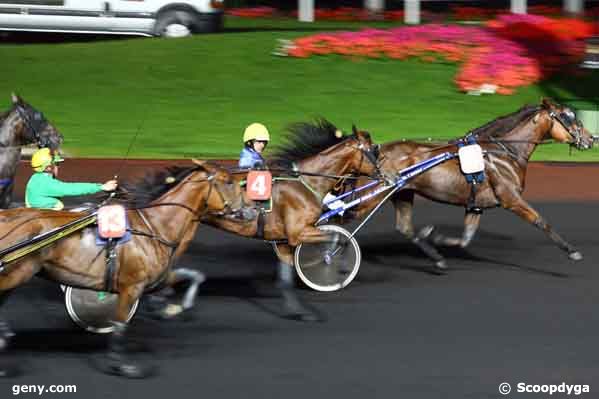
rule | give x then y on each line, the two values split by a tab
512	309
545	181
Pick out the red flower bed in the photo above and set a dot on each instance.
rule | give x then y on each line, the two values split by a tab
511	51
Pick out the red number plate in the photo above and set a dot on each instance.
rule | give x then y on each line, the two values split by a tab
259	185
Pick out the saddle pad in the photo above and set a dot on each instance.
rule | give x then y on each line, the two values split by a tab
471	159
112	221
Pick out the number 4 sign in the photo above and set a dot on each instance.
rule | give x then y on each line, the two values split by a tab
259	185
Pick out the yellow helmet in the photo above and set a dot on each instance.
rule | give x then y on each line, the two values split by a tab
43	158
256	131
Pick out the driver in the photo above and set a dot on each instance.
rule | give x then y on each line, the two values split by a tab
255	139
45	191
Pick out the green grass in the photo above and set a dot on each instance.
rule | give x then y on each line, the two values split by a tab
194	96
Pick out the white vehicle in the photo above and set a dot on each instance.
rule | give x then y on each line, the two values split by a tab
169	18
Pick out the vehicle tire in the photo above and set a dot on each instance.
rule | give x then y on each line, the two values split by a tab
330	265
93	310
175	23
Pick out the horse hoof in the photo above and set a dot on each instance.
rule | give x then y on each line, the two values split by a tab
121	367
441	265
425	232
575	255
9	371
300	314
305	317
128	370
171	310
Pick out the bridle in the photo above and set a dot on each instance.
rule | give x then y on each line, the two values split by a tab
35	125
227	209
371	154
572	128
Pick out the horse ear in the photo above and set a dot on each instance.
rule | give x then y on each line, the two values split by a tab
547	103
15	98
354	129
202	164
199	162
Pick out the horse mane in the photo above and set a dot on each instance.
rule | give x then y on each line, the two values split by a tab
4	114
303	140
504	124
152	186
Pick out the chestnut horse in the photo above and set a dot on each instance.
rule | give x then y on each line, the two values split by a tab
508	141
313	150
163	220
21	125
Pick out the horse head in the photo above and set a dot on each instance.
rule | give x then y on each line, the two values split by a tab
565	127
223	194
34	127
365	160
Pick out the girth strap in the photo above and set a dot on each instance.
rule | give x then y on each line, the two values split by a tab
111	266
471	206
261	223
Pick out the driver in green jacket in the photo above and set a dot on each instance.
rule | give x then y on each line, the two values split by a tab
44	190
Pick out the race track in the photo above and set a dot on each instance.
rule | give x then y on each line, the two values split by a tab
512	309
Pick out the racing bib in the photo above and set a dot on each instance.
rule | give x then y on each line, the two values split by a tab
112	221
259	185
471	159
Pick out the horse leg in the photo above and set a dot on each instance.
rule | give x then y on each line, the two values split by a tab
195	278
6	334
523	209
404	205
18	274
118	362
471	223
293	308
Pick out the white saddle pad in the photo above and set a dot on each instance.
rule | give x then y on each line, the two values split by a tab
471	158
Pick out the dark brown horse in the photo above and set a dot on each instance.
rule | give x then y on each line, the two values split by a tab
314	150
163	219
21	125
509	141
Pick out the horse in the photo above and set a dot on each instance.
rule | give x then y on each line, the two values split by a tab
318	154
508	141
163	215
21	125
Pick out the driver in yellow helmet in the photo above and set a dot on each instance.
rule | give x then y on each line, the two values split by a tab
44	190
255	139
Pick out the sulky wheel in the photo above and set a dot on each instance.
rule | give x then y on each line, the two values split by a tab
92	310
329	265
